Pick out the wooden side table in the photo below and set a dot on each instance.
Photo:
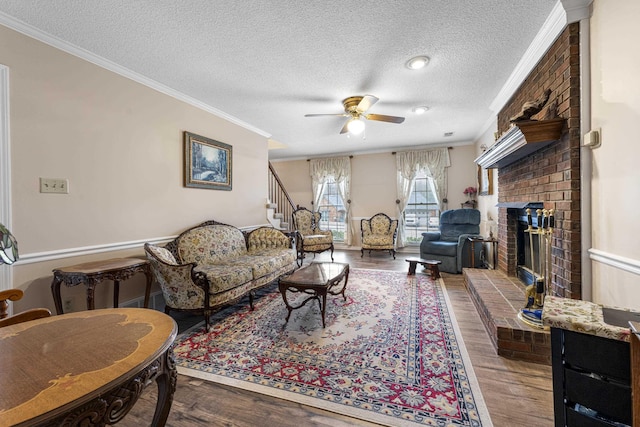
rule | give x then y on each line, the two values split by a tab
493	243
92	273
86	368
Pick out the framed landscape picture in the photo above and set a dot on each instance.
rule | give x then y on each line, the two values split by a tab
207	163
485	181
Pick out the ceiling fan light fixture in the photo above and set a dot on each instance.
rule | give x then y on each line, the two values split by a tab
420	110
355	126
417	62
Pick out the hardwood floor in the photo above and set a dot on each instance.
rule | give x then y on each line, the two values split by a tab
516	393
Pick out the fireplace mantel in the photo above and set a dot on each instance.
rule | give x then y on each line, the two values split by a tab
522	139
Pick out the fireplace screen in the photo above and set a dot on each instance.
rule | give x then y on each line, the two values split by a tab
527	246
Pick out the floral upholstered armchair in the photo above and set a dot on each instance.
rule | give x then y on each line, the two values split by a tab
309	237
379	234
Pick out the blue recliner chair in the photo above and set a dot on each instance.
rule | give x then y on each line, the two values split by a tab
450	245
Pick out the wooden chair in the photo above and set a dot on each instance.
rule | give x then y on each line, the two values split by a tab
15	295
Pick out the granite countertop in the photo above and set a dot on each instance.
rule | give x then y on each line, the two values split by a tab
581	316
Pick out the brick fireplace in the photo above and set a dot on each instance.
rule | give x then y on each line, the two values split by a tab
547	174
551	175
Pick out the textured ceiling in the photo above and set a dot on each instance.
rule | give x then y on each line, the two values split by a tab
268	63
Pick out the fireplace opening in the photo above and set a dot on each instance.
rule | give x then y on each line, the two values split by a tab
528	263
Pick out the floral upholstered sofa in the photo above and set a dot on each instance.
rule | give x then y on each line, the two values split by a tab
213	264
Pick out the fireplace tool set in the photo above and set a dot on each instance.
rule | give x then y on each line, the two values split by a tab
532	312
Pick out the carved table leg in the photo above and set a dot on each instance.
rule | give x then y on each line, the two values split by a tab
91	296
323	305
283	291
55	291
116	293
166	381
147	292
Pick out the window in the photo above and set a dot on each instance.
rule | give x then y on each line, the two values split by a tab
333	211
422	212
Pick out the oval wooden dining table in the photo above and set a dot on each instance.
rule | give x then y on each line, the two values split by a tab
86	368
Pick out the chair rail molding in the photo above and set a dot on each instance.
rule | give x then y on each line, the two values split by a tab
626	264
34	257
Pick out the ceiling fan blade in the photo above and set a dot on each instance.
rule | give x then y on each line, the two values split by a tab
320	115
345	128
366	103
383	118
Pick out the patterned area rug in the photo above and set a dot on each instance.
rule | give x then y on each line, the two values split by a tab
391	353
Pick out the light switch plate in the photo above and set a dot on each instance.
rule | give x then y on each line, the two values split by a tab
54	185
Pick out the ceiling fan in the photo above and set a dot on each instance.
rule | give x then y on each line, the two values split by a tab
356	107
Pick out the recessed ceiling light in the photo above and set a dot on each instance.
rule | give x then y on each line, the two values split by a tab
420	110
417	62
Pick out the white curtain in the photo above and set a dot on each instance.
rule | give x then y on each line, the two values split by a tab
340	169
408	164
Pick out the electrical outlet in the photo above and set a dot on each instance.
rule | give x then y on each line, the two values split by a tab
54	185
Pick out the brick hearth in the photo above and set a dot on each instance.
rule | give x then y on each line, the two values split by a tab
498	298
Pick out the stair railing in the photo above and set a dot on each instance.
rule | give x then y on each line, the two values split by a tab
278	195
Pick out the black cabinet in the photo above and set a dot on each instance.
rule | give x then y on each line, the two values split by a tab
591	380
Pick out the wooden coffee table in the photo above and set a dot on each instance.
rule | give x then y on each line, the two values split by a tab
317	280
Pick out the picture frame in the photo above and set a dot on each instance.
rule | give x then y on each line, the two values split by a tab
207	163
485	181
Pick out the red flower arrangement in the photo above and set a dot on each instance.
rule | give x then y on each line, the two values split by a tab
470	191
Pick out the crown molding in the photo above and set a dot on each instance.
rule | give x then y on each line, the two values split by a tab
35	33
563	13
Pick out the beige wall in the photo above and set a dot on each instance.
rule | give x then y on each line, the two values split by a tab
615	103
373	182
119	143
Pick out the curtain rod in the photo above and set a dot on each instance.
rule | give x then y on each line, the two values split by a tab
394	152
351	157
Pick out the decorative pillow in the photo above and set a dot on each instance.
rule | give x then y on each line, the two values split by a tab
162	254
